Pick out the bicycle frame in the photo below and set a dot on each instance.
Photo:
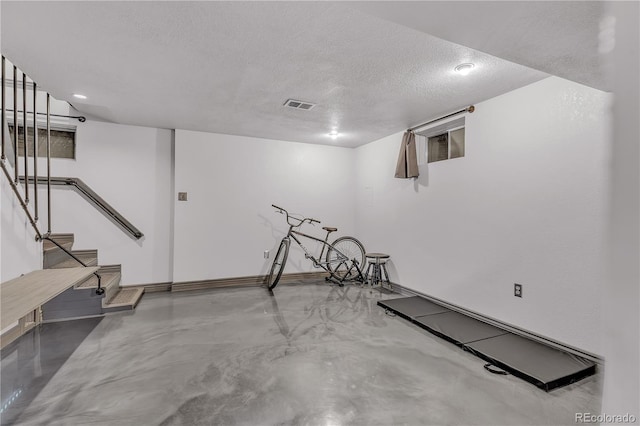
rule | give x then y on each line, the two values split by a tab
325	246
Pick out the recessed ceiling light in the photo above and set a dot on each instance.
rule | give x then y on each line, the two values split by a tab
464	69
79	96
334	134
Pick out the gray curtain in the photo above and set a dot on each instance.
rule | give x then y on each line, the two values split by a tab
407	166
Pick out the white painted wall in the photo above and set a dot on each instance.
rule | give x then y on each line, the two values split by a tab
526	204
130	168
621	393
228	222
19	251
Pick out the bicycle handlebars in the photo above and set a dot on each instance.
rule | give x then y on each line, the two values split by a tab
301	221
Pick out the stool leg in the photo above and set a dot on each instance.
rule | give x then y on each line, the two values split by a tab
386	274
366	274
376	273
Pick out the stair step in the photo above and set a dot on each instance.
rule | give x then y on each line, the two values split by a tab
48	246
89	257
106	272
108	279
65	240
52	254
126	299
110	269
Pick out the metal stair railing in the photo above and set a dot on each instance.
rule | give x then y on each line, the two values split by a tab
14	180
22	192
80	118
35	179
94	198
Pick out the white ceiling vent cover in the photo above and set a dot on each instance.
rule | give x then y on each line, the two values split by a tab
292	103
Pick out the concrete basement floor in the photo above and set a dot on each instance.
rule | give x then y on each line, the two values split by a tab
311	354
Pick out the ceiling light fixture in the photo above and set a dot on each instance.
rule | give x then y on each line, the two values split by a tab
334	134
464	69
79	96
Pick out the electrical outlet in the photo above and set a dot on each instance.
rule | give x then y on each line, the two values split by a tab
182	196
266	254
517	290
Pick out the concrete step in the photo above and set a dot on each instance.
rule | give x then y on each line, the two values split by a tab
125	300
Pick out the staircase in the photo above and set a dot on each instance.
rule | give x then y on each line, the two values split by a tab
65	288
82	300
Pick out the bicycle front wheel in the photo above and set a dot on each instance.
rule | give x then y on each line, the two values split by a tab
341	255
278	264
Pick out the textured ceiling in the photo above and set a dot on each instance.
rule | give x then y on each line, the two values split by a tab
227	67
557	37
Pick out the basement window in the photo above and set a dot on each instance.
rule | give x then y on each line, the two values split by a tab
63	142
445	142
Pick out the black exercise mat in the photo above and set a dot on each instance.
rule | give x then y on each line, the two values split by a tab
542	365
411	307
458	328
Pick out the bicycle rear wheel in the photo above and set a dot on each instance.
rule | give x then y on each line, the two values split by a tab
278	264
341	255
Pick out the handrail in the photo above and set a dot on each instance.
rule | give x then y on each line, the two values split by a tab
93	197
80	118
99	290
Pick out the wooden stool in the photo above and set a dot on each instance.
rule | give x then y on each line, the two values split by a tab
375	268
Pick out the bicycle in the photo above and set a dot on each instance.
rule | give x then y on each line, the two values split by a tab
341	261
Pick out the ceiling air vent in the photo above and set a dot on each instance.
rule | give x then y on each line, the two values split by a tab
292	103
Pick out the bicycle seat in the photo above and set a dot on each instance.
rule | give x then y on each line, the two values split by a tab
329	229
